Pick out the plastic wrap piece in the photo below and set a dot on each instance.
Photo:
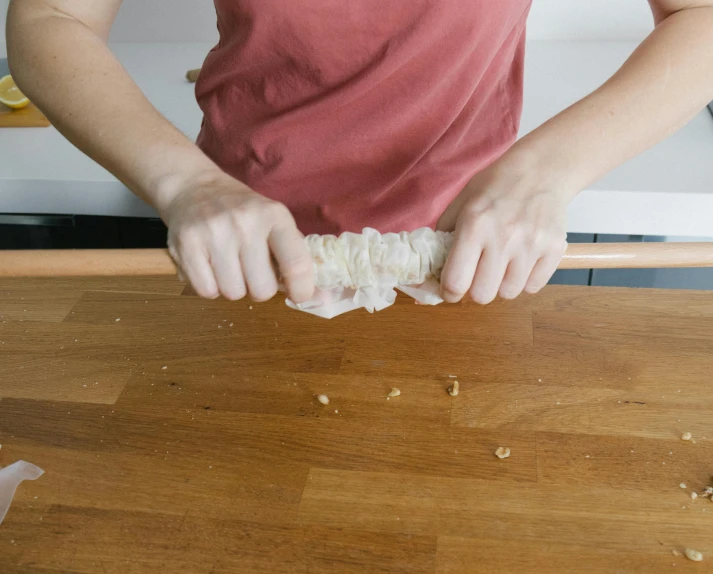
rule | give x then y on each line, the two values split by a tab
10	478
355	271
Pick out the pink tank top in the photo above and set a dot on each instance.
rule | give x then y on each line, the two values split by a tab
362	113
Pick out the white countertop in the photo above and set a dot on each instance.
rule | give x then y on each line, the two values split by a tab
668	190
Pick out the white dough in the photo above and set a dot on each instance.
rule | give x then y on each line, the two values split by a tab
371	259
362	270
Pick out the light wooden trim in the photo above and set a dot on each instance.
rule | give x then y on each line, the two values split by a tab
142	262
637	255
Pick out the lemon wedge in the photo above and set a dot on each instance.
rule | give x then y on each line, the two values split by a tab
10	94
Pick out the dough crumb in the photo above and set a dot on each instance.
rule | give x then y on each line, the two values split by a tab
164	367
454	389
394	392
324	399
693	555
686	436
694	495
336	411
117	319
682	485
502	452
675	552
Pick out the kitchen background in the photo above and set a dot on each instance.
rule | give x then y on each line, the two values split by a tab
151	22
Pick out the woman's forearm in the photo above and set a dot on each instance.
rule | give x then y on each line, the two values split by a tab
65	67
663	85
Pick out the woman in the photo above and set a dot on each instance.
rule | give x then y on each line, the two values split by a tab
327	116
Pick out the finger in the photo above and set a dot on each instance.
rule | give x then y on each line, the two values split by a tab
293	260
197	269
460	268
449	218
516	276
257	270
542	272
489	275
226	268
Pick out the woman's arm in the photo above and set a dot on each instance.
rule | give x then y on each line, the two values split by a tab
58	56
510	219
220	232
662	86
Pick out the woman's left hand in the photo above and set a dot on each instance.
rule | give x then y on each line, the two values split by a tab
510	232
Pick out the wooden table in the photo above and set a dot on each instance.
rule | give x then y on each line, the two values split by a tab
182	435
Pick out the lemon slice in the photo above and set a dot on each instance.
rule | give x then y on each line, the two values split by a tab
10	94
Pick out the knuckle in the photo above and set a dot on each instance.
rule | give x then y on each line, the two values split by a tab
242	224
560	245
277	211
470	243
549	241
476	210
541	242
188	238
505	235
298	266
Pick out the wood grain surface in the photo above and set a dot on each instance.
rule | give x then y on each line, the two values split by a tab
186	435
29	117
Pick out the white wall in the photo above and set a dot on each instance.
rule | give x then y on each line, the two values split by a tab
590	19
3	11
194	20
165	21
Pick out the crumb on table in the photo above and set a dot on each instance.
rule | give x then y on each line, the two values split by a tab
502	452
693	555
324	399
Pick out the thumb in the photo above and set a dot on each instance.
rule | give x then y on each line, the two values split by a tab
449	218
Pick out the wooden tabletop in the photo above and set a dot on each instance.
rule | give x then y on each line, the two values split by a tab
184	435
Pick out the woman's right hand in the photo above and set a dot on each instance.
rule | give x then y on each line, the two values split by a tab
222	236
221	233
